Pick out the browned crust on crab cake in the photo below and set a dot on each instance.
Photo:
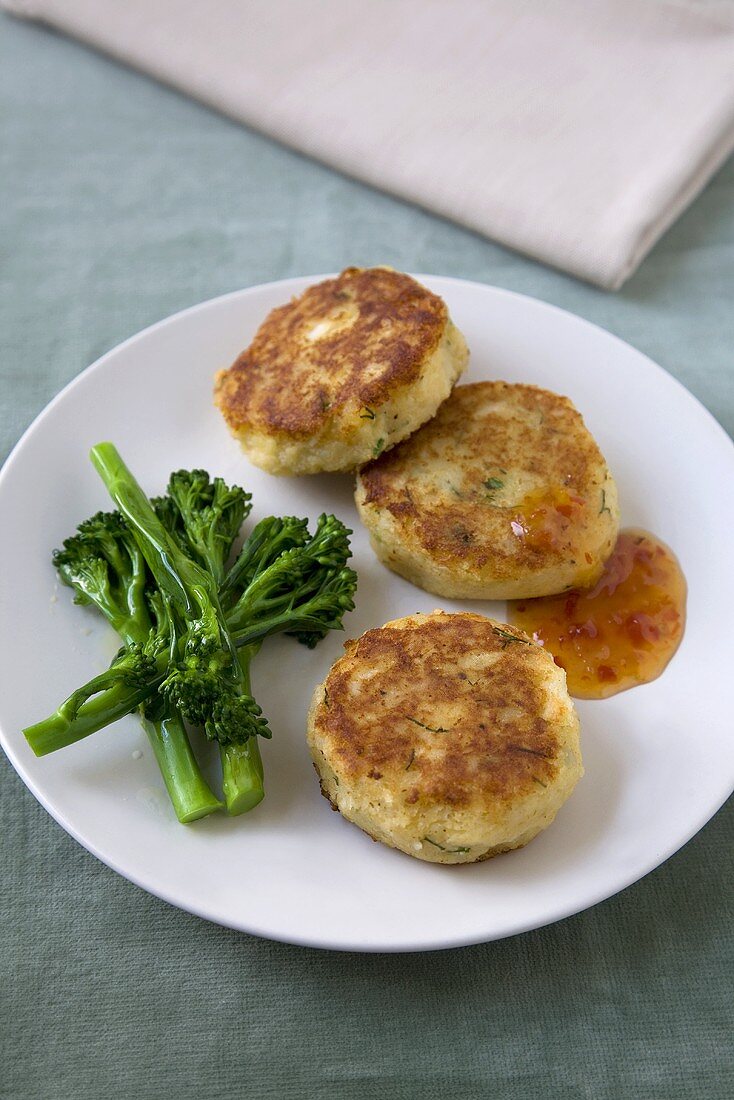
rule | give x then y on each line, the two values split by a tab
504	494
347	369
449	736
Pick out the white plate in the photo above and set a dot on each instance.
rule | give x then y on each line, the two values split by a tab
659	759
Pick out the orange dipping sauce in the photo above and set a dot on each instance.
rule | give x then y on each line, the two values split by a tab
624	630
542	517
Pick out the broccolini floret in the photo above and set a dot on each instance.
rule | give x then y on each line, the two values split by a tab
205	516
304	591
103	564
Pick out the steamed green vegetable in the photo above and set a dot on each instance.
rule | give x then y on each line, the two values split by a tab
157	570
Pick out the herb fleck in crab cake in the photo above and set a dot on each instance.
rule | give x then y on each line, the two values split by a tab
503	495
450	737
342	373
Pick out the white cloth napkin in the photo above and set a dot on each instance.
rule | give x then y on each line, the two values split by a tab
575	131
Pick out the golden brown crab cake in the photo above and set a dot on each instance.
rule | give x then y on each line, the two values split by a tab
450	737
503	495
342	373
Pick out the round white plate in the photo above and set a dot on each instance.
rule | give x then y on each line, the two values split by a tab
659	759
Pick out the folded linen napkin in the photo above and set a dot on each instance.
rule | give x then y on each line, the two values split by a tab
575	131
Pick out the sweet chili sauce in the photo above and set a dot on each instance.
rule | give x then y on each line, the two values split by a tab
543	517
624	630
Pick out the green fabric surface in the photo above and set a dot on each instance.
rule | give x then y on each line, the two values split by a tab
121	202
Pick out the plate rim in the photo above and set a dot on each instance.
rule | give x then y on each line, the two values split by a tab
560	912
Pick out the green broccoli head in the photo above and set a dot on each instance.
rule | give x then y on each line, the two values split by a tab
329	546
325	609
305	591
270	538
208	697
102	563
234	719
204	515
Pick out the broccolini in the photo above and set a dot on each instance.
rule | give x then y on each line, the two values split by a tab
158	572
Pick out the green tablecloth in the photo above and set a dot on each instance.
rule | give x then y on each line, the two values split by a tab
122	202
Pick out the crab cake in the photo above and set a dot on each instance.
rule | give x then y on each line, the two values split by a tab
450	737
503	495
342	373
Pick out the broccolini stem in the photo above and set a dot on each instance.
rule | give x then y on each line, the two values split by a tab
178	577
242	776
99	685
256	633
59	730
242	767
277	624
186	786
